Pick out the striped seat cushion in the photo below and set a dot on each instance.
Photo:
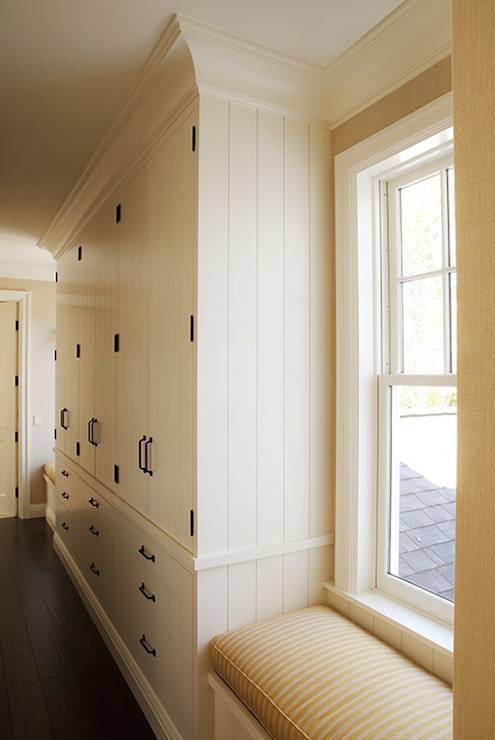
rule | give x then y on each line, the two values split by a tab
315	674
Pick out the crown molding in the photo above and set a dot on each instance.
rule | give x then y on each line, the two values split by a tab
194	58
412	38
189	57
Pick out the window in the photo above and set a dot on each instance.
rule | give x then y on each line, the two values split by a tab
396	365
417	387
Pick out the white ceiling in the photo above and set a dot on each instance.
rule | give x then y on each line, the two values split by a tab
65	66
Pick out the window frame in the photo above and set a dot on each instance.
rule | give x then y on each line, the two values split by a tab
422	136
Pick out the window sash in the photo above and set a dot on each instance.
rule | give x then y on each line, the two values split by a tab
392	278
392	585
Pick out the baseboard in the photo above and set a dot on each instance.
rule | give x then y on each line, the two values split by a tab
36	511
50	518
154	711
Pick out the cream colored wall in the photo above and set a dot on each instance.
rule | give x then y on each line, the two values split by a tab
474	105
42	376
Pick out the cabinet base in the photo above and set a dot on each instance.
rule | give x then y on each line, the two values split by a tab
153	709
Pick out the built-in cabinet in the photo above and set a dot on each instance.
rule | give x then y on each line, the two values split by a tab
194	393
125	345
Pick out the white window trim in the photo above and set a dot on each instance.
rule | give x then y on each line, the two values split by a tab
357	171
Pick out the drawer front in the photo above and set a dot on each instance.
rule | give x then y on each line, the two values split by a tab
67	529
137	550
165	667
98	566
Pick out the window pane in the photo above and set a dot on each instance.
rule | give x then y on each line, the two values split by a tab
422	330
423	487
451	202
421	226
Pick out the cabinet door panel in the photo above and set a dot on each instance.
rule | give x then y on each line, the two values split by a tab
63	345
105	261
173	177
85	294
133	358
68	360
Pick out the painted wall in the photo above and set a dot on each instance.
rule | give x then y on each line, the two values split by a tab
41	377
474	103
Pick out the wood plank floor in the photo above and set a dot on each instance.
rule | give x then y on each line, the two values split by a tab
57	677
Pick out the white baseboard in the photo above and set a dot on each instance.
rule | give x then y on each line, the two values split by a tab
50	518
36	511
154	711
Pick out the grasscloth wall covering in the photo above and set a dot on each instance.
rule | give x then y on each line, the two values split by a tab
419	91
474	105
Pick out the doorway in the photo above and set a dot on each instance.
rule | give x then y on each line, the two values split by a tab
9	432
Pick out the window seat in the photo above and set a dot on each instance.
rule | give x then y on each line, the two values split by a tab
314	674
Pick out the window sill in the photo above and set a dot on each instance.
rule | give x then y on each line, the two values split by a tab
423	639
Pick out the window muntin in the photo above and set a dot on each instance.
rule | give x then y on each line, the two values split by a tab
417	439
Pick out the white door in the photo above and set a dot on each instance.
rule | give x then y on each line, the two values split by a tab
8	408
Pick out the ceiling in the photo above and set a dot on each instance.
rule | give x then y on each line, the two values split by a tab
65	66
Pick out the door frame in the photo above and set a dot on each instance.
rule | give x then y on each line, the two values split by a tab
23	299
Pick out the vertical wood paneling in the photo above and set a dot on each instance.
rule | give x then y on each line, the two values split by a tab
242	326
296	577
213	327
212	619
271	328
242	594
270	587
297	330
322	333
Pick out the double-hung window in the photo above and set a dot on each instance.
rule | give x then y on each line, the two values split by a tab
417	387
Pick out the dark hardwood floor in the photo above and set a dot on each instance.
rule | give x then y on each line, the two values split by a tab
57	677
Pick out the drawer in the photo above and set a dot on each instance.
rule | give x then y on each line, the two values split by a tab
63	475
96	510
138	551
97	564
67	529
165	667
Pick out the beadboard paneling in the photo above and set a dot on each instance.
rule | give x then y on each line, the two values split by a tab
232	596
265	319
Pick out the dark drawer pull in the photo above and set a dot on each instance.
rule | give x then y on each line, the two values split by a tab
147	647
146	555
146	593
140	454
94	502
147	456
65	496
65	526
64	473
94	531
94	569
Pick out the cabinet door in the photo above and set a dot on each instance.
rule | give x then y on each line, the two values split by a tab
172	355
63	348
67	369
132	237
106	273
85	347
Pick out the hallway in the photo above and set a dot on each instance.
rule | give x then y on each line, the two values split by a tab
57	678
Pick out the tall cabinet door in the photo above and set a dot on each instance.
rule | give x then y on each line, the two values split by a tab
67	369
85	349
63	349
132	360
172	315
107	345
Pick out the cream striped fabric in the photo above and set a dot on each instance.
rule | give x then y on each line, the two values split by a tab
314	674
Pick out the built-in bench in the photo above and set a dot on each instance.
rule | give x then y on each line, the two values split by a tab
314	674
